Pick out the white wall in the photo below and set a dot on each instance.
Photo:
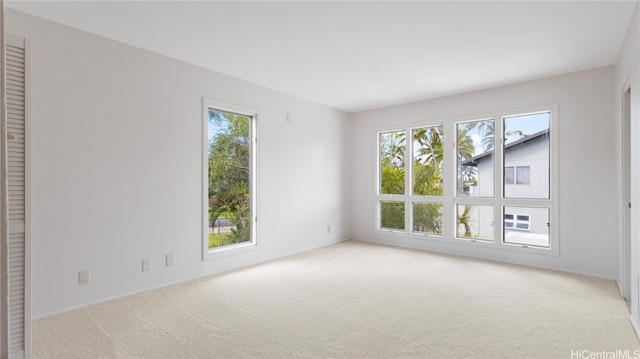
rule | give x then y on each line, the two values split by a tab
627	74
587	180
116	170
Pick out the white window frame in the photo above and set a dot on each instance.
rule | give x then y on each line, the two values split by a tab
408	198
380	197
450	200
252	244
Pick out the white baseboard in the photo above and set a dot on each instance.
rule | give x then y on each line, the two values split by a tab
486	257
168	284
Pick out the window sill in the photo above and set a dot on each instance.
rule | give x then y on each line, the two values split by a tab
235	249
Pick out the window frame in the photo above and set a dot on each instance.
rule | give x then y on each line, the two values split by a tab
450	200
252	244
408	197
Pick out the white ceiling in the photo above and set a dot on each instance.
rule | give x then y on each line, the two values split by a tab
361	55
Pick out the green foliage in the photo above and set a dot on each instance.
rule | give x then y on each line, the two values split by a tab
392	149
427	218
466	150
221	239
392	180
392	215
427	162
229	163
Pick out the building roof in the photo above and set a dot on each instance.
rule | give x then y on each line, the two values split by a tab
473	161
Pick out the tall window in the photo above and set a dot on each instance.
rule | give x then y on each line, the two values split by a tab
423	207
526	183
475	143
230	178
500	191
392	179
427	180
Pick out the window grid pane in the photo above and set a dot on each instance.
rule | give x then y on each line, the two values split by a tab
526	155
530	227
427	161
474	155
392	162
392	215
474	222
427	218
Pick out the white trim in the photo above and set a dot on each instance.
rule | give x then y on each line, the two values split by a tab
4	196
624	280
172	283
23	228
446	251
240	248
27	213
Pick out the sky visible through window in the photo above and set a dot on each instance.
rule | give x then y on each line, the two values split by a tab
527	124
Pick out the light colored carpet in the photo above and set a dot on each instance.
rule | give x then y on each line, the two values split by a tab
354	300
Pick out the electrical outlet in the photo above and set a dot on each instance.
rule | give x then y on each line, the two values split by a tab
328	229
84	277
146	265
170	260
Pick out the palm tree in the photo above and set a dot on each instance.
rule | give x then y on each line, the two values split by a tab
465	150
427	162
464	220
392	146
392	162
429	143
489	135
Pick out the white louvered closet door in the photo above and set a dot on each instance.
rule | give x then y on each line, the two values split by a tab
18	210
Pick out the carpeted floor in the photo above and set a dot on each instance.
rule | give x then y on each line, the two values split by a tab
354	300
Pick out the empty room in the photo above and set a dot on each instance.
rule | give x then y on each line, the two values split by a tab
320	179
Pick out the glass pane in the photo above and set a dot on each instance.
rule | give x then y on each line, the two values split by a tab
392	215
229	164
531	226
427	218
474	150
526	148
475	222
427	161
392	149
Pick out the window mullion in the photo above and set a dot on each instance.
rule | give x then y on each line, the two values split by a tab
469	186
449	179
499	176
408	165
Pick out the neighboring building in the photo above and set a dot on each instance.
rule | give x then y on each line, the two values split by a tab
526	175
